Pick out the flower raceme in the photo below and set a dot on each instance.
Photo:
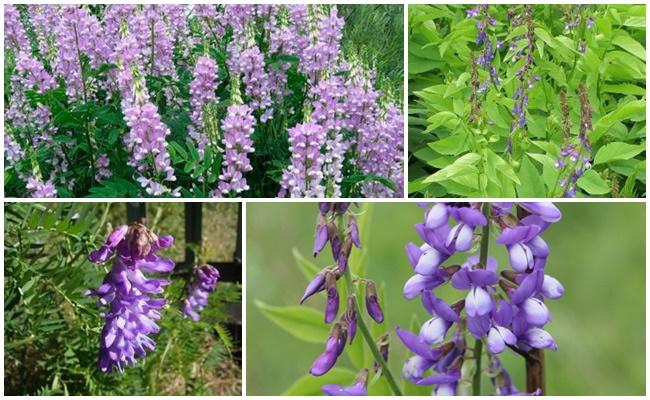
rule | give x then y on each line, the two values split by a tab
127	294
505	309
204	282
337	225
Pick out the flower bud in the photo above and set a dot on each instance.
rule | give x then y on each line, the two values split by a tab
333	348
316	285
139	241
344	254
372	303
332	305
354	232
350	317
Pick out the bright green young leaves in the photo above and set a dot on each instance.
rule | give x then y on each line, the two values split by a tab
451	156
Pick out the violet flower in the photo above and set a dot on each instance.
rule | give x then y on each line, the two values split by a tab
127	294
204	282
237	128
358	387
514	320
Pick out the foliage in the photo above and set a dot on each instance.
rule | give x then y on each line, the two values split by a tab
449	155
598	248
52	330
78	148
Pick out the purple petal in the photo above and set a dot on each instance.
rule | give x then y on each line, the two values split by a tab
483	277
546	210
437	216
414	343
521	258
537	313
461	279
552	288
434	330
478	326
320	240
540	339
413	253
316	285
417	283
429	262
472	217
530	285
503	316
521	233
478	302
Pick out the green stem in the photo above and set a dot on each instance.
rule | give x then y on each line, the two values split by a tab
478	345
365	332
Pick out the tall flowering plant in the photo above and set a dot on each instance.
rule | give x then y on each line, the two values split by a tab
129	298
503	309
195	101
507	101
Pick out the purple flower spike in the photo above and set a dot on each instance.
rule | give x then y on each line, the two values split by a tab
372	303
203	283
358	388
514	322
126	292
332	305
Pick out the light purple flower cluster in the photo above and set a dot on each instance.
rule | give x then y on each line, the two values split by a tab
146	140
322	52
380	152
248	64
204	282
202	92
43	18
237	128
337	226
15	37
101	164
303	177
78	33
574	158
39	189
512	317
29	74
128	294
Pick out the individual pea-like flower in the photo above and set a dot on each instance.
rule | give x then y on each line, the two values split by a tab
358	387
204	282
237	128
333	349
505	309
127	294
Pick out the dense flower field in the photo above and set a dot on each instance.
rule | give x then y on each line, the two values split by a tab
194	101
527	101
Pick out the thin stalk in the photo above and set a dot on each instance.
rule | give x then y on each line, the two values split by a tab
365	332
478	345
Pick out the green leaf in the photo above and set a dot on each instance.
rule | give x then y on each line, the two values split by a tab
623	88
309	385
450	145
625	41
617	151
446	118
462	166
627	111
308	268
531	182
303	323
592	183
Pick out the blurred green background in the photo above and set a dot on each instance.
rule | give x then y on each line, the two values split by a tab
597	252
